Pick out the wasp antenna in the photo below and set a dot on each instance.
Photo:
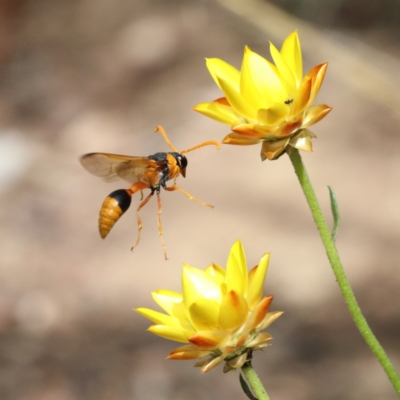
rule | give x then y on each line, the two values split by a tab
160	129
210	142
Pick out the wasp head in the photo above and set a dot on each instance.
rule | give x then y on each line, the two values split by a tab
182	163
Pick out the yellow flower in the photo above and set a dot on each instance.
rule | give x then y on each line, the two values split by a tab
267	103
220	313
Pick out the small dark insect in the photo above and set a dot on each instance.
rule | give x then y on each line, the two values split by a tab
150	172
289	101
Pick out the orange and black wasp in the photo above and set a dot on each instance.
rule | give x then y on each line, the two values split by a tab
150	172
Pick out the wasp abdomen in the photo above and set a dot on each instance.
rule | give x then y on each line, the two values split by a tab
113	207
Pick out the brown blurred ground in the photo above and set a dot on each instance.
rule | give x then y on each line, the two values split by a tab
83	76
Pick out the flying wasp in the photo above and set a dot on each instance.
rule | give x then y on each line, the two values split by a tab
152	172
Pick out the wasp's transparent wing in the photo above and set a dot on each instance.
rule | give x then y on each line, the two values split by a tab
113	167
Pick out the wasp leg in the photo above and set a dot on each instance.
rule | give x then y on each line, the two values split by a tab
136	187
175	187
159	209
139	221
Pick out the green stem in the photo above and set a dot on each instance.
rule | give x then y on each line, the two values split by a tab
254	381
340	275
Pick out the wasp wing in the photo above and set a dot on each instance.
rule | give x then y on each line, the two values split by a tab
113	167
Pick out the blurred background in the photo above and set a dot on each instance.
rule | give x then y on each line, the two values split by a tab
89	75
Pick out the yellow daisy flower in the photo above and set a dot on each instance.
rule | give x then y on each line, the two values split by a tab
268	103
220	313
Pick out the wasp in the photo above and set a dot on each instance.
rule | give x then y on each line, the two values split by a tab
152	172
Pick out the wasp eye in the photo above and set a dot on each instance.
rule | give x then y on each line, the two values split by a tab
181	160
184	162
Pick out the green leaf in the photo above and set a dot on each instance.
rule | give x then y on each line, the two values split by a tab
246	388
335	213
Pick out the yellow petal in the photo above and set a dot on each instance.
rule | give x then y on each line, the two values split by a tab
235	138
172	333
302	97
216	271
315	114
302	141
236	270
220	69
157	317
197	284
171	302
273	149
203	314
219	111
238	102
285	72
273	115
210	363
254	131
260	340
290	127
269	319
259	313
265	78
187	352
248	85
204	362
256	283
207	340
233	311
317	75
291	53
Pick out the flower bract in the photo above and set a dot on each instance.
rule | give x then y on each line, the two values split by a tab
219	314
268	103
